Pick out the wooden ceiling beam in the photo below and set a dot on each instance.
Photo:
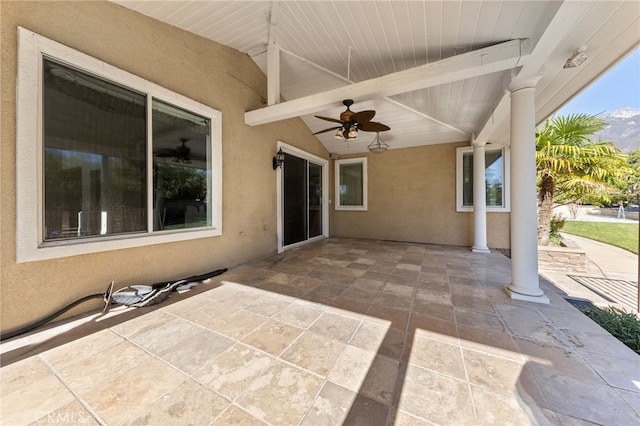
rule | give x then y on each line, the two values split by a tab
499	57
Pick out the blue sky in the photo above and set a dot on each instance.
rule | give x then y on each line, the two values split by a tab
618	88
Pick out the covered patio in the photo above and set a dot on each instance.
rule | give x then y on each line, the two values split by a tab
341	331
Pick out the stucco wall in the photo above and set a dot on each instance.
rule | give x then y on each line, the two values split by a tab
412	197
202	70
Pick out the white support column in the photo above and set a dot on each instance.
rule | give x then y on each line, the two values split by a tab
525	284
479	201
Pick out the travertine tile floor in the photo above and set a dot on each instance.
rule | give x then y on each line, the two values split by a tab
341	331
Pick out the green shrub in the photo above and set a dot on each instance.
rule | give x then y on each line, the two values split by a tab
557	222
624	326
555	240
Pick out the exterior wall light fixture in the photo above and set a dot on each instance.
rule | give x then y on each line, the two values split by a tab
278	160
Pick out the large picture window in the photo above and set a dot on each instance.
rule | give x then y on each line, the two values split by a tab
496	179
351	184
94	155
118	161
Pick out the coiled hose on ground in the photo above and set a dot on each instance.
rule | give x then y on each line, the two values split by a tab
155	294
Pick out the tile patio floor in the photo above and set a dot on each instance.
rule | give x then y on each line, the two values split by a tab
341	331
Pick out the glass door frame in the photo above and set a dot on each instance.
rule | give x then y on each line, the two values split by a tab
324	164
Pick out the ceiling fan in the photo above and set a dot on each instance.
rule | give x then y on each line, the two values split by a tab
351	122
181	154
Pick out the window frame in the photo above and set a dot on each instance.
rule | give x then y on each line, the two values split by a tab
506	189
365	190
30	245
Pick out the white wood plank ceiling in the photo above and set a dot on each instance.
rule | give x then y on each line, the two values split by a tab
330	44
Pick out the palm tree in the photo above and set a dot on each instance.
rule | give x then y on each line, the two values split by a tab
568	161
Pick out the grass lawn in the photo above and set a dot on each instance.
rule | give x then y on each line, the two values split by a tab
624	235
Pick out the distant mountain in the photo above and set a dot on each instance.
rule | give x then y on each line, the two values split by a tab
623	128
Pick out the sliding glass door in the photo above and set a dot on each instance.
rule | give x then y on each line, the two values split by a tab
314	209
302	189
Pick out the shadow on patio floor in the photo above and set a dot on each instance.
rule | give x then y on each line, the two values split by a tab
340	331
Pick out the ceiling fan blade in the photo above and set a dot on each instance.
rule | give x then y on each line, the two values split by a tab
373	126
335	120
363	116
327	130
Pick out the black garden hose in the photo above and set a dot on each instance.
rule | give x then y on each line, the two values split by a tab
107	298
193	279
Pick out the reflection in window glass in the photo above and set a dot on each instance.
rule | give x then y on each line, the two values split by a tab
351	184
94	155
95	159
494	178
467	179
181	168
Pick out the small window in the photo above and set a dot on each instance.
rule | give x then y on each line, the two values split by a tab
181	168
496	179
119	161
351	184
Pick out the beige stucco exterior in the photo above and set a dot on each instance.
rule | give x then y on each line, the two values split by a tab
412	197
411	191
202	70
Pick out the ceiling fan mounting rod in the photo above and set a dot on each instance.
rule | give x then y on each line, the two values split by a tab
349	64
